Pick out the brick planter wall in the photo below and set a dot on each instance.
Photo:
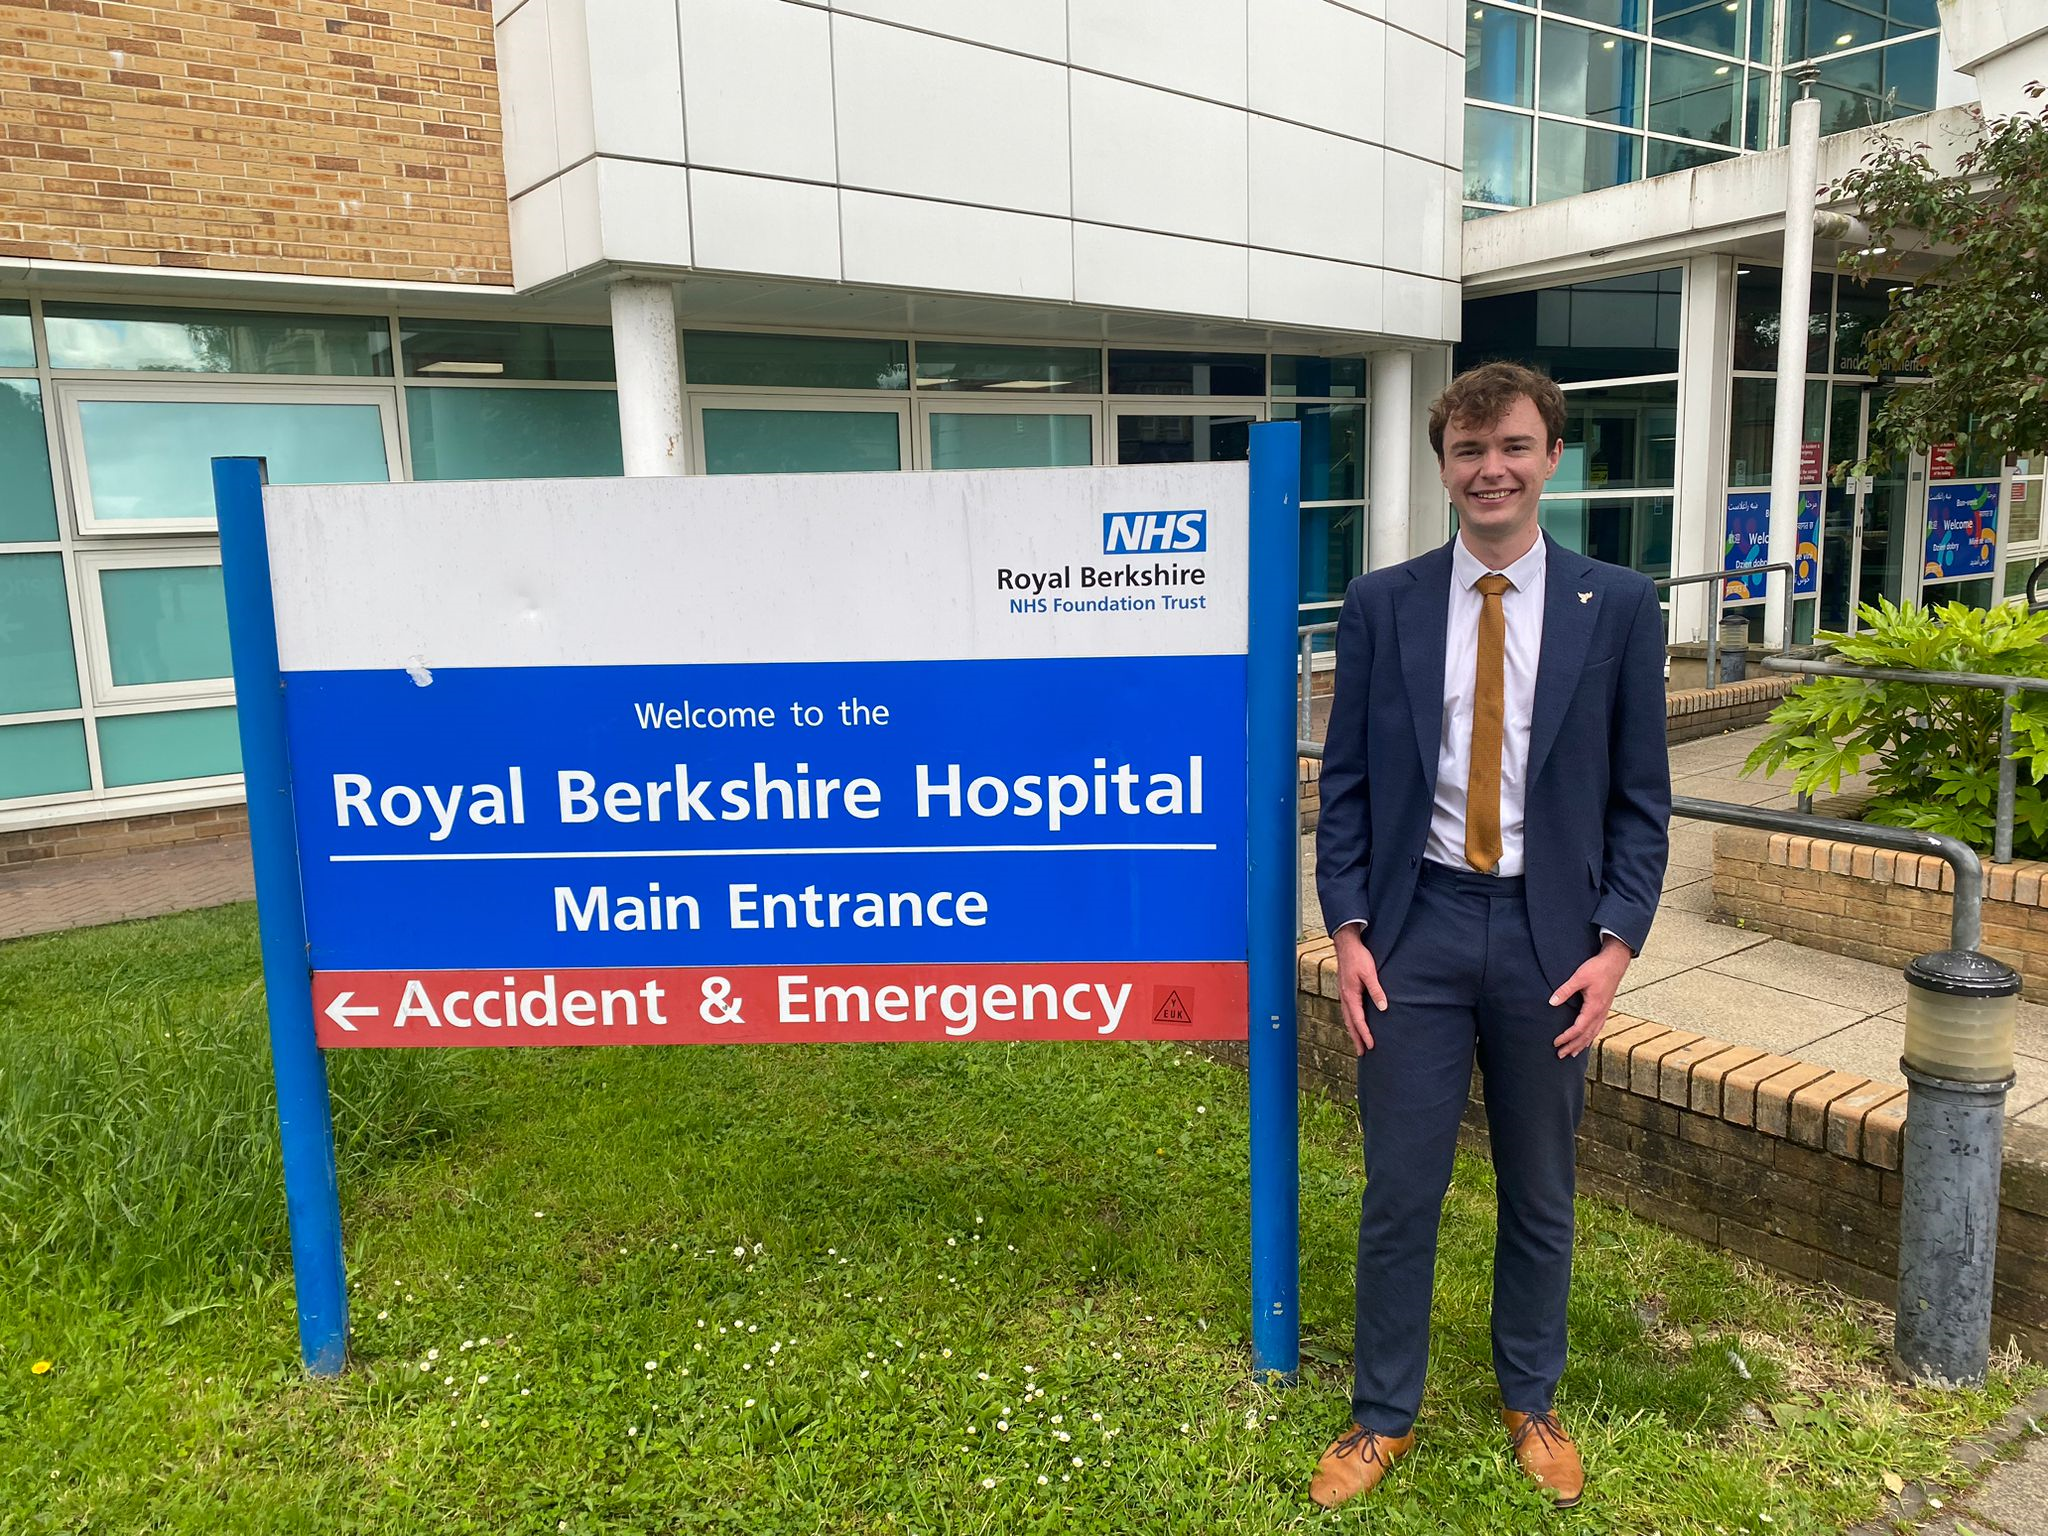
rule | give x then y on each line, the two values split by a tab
110	839
1874	905
1696	712
1789	1164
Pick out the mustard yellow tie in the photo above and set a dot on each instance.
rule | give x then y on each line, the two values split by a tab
1489	695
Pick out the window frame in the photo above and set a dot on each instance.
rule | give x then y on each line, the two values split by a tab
71	393
770	398
964	403
106	693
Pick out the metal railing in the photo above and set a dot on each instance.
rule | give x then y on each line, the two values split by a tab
1966	918
1720	579
2010	687
1307	634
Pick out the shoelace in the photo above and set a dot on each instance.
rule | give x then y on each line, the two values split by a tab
1545	1426
1363	1442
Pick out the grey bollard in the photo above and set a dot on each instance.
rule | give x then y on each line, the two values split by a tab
1734	641
1960	1011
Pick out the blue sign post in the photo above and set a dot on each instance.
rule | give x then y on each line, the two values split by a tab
1275	838
305	1121
526	767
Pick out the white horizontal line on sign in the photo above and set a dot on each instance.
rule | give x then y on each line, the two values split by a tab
749	853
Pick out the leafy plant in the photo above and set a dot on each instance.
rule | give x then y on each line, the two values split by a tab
1936	749
1975	322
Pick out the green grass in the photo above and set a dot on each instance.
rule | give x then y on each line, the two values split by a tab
894	1252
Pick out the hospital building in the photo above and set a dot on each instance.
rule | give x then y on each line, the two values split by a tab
472	239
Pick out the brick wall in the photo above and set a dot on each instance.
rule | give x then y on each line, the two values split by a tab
1695	712
1875	905
1789	1164
317	137
109	839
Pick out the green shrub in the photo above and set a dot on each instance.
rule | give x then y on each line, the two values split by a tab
1936	749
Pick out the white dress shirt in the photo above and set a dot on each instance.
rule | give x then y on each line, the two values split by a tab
1522	606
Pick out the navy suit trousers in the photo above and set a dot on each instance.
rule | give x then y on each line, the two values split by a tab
1463	978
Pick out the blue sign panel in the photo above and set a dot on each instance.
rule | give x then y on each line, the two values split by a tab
1055	809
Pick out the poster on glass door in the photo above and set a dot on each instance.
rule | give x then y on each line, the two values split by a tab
1748	542
1962	531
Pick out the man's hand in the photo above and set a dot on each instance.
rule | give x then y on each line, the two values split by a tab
1595	982
1357	979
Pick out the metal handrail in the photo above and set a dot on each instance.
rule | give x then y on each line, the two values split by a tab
2008	766
1307	634
1720	580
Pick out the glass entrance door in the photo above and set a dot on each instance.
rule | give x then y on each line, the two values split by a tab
1867	524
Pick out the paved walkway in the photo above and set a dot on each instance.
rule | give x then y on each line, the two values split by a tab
37	898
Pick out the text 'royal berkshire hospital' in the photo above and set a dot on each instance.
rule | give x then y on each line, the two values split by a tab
424	240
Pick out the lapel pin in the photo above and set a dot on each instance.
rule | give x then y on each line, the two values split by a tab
1585	597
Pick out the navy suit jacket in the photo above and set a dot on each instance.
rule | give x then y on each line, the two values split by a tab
1597	811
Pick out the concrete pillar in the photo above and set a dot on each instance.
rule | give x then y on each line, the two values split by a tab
1392	394
650	376
1705	381
1795	303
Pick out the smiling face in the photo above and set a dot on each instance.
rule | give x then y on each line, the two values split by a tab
1495	474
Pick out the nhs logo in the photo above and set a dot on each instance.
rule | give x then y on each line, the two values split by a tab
1155	533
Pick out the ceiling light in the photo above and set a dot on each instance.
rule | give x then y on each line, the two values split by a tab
1608	44
1845	39
453	365
1722	70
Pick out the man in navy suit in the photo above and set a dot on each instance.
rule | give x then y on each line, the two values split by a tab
1496	797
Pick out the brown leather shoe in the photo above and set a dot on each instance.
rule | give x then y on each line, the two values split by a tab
1547	1454
1355	1463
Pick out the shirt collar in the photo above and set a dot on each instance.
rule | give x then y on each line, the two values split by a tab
1466	568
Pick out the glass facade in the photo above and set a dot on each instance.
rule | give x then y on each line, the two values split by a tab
1569	96
114	672
1613	346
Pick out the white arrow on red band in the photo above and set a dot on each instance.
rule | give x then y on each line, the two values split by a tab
340	1011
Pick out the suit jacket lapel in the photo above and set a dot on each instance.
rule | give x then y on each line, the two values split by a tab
1422	611
1568	619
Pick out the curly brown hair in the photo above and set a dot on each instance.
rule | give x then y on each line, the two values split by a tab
1481	396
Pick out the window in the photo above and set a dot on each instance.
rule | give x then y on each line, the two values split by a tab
1573	159
38	670
1692	97
1498	148
157	624
141	454
1613	328
1499	50
17	339
168	745
46	757
128	338
751	437
501	349
795	362
1590	74
27	509
1187	373
978	437
953	365
508	434
1619	438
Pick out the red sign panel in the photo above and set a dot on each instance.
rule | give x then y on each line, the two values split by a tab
677	1005
1812	464
1941	461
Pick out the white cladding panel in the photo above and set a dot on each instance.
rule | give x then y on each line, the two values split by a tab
740	568
1136	129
